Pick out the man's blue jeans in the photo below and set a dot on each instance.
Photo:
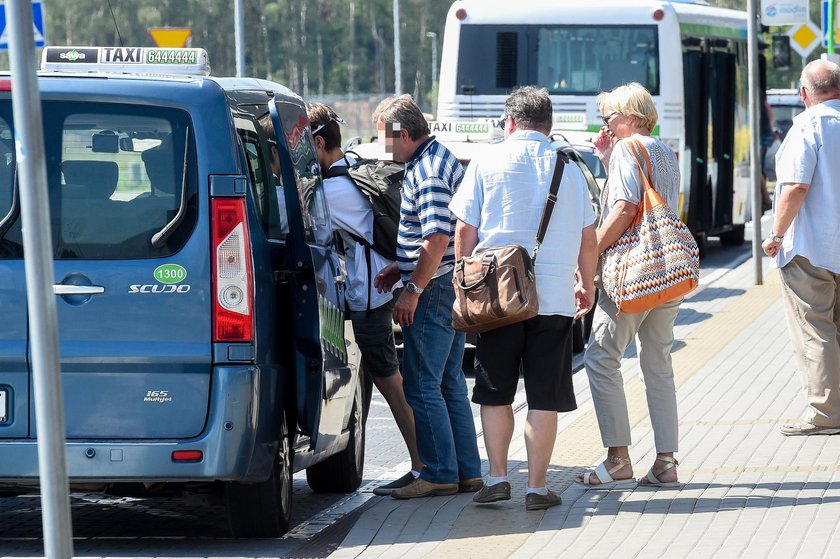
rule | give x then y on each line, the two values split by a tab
436	390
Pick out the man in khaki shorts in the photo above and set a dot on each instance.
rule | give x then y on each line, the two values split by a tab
370	311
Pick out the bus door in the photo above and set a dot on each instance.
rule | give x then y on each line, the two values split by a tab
722	123
696	72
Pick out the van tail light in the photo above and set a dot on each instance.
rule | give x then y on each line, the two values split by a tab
233	304
5	85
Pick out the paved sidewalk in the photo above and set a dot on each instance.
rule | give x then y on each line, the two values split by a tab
748	491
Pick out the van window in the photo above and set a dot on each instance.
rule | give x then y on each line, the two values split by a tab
307	173
263	160
115	175
9	246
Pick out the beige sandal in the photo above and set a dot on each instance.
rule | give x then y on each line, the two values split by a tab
604	475
651	480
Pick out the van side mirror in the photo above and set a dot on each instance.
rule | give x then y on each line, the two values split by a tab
781	52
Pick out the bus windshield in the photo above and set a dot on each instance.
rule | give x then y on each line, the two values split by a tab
570	59
579	60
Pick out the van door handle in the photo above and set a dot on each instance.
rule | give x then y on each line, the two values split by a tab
62	289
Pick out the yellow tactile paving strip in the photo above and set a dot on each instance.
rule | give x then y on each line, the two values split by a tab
579	445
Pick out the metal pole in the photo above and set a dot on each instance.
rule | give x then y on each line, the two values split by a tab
43	332
239	17
433	36
397	63
753	54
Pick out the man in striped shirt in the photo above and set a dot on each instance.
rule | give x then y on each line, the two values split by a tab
433	381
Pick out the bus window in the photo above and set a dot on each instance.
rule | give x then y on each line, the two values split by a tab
571	59
577	59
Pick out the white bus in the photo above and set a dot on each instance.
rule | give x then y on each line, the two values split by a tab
690	56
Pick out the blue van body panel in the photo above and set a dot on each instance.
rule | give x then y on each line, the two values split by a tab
230	443
14	368
135	339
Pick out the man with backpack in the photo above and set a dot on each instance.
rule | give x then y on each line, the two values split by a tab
354	218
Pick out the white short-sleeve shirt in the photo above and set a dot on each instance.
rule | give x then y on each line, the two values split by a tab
503	195
810	155
350	212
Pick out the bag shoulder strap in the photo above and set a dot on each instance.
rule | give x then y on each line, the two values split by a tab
646	171
550	201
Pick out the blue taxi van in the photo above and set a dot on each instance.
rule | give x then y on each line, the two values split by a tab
199	294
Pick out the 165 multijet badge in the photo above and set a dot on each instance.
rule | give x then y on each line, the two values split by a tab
168	277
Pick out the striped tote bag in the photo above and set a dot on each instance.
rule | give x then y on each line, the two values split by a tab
657	259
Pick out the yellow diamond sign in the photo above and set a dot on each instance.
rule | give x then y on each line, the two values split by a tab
171	37
804	38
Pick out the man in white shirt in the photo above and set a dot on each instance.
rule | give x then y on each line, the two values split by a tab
500	201
805	242
370	311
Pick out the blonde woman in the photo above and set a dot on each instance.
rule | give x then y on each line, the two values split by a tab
628	112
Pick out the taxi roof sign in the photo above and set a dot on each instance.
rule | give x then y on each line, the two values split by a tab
460	131
126	60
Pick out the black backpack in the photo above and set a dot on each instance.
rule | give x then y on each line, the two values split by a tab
381	183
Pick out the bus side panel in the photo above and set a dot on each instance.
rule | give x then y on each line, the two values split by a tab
723	135
696	140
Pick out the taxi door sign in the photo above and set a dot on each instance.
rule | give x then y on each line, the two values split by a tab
171	37
37	26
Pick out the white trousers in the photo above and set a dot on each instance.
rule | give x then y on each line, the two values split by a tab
607	343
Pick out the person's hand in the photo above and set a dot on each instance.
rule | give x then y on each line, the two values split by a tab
604	143
404	308
771	247
386	278
584	298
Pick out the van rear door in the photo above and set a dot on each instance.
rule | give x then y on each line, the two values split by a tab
132	273
14	368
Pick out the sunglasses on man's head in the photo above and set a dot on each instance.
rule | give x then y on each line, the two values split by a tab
503	122
335	118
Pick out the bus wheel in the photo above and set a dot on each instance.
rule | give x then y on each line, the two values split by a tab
263	510
733	238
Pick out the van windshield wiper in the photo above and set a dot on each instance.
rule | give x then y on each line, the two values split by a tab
159	238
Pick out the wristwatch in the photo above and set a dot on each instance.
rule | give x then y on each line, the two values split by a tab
411	287
775	238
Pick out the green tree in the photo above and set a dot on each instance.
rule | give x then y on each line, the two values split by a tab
316	47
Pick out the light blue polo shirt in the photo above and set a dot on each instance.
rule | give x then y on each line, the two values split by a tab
810	155
503	195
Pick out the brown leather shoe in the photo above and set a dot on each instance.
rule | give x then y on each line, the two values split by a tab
535	501
470	485
422	488
493	493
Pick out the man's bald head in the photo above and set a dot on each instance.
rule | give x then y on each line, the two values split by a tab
821	79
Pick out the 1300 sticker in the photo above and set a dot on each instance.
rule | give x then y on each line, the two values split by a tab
169	275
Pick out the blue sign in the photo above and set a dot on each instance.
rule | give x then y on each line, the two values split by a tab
824	24
37	27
